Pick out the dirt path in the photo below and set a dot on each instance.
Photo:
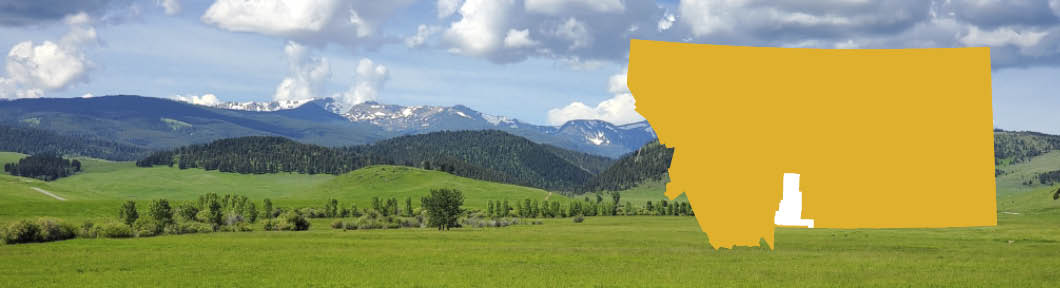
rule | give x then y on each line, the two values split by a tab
45	192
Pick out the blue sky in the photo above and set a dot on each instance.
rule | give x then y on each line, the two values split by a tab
542	61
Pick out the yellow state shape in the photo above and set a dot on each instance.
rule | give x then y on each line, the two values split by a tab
882	138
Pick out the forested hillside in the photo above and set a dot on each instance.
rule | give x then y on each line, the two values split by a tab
485	155
262	154
650	162
521	161
1015	147
36	141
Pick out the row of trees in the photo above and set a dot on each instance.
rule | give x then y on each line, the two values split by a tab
552	209
1048	178
46	167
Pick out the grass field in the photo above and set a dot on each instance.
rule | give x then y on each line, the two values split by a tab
635	251
98	191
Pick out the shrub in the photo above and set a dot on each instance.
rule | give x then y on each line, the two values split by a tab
272	225
190	227
23	231
337	224
147	227
240	227
366	222
203	216
54	230
297	222
88	230
579	219
115	230
349	225
289	221
232	218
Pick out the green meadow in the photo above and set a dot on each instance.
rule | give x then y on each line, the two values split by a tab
629	251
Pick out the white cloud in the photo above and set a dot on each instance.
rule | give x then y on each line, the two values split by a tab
561	30
369	81
171	7
423	32
447	8
666	22
271	17
33	69
620	109
556	7
205	100
479	28
576	32
1001	37
519	39
617	84
307	76
349	23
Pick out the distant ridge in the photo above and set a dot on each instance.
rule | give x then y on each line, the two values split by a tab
156	123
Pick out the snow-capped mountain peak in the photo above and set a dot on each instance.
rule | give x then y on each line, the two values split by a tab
328	104
595	136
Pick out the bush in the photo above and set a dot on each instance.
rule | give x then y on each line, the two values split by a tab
297	222
54	230
289	221
232	218
337	224
349	225
115	230
366	222
88	230
189	228
240	227
23	231
579	219
147	227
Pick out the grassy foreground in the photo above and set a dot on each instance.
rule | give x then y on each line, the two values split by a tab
602	251
625	251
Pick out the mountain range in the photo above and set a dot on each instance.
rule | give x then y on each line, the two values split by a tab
156	123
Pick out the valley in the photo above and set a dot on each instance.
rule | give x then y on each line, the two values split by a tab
600	249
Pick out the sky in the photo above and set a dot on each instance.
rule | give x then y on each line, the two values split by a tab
541	61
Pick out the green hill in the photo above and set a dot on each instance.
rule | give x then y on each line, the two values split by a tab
400	182
649	163
489	155
99	190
